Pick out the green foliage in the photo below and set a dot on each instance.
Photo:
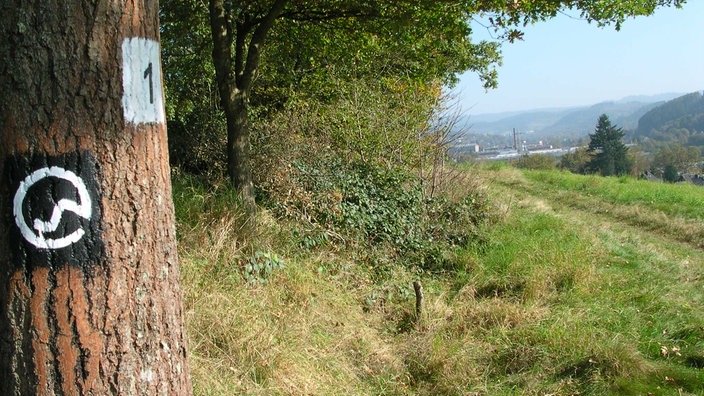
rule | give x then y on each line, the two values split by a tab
314	153
536	161
381	205
670	173
422	43
379	121
678	158
260	266
577	161
196	125
640	161
609	154
388	209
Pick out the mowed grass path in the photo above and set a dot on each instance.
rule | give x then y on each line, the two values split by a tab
632	320
674	212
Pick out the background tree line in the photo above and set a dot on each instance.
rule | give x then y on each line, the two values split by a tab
607	155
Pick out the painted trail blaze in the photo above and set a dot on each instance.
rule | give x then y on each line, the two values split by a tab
56	211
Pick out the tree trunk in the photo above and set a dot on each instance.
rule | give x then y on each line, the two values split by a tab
234	77
234	100
238	161
89	278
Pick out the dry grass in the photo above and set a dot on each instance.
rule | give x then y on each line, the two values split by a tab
305	332
301	334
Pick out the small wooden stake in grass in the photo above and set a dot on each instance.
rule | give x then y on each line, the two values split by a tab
418	288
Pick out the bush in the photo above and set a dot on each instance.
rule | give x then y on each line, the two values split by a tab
536	162
576	162
384	208
670	174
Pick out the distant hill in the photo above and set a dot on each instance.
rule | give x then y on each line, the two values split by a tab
525	121
583	121
565	122
682	115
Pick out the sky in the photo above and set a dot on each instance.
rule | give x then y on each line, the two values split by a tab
567	62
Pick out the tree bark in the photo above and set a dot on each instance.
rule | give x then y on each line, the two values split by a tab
238	160
89	282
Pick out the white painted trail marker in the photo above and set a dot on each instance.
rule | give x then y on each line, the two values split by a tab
82	209
142	98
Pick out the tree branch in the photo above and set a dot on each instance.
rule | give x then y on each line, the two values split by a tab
254	50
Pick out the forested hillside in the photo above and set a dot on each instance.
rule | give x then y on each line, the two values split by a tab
679	120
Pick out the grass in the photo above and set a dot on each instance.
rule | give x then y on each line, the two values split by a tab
564	298
680	200
672	211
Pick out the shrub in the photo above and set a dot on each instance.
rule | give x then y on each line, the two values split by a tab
670	174
384	208
536	161
260	266
576	162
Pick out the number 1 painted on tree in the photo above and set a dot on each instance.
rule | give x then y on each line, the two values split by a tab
142	98
148	72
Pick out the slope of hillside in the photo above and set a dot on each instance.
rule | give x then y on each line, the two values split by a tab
582	122
583	285
683	113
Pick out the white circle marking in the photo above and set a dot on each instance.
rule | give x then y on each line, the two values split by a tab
84	209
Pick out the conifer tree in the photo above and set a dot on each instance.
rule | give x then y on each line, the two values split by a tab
609	154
